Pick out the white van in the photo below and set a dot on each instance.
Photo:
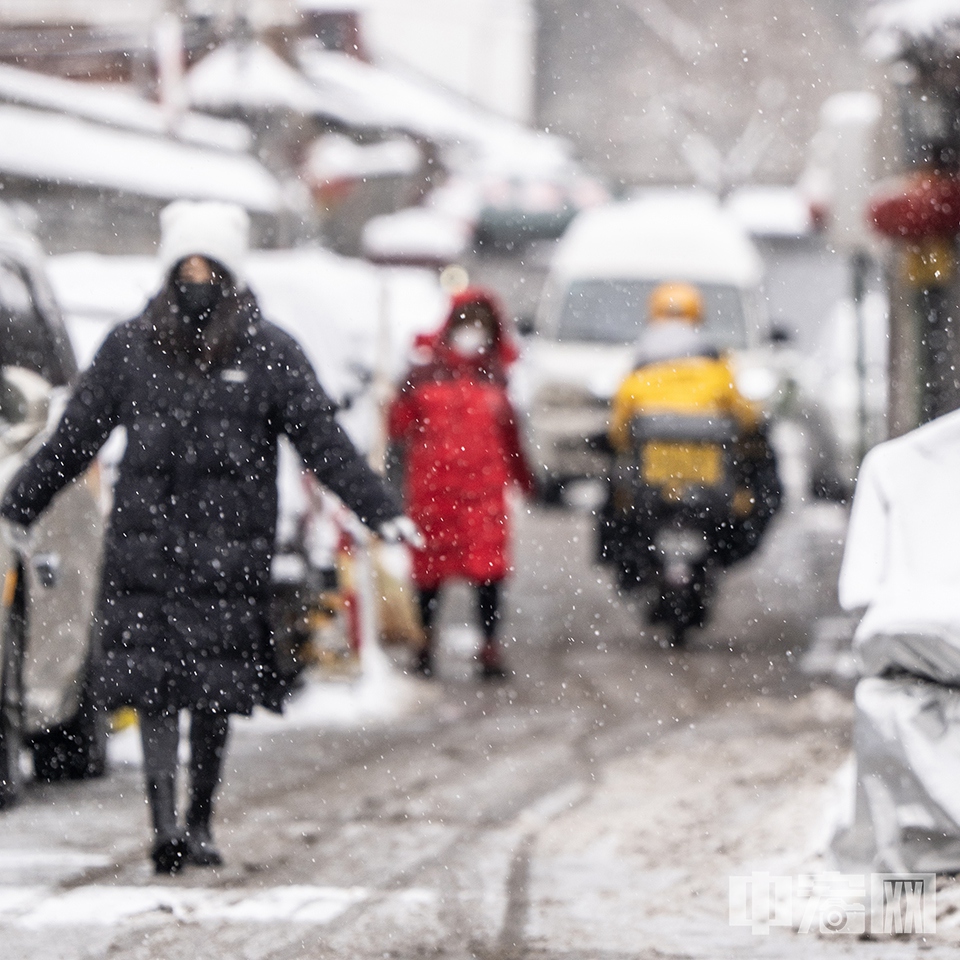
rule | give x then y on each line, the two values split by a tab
594	304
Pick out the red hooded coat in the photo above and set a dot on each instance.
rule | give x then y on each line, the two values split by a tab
459	432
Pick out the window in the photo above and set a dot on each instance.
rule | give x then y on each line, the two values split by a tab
615	311
26	339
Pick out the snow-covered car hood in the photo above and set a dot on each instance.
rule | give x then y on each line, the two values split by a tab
592	369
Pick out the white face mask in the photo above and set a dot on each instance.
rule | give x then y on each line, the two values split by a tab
470	341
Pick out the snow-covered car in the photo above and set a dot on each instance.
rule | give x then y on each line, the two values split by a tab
49	596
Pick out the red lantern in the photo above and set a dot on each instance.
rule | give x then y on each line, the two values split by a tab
925	204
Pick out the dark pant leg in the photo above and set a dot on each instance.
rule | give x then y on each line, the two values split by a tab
429	601
160	735
208	743
488	609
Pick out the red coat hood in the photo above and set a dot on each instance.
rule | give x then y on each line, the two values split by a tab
435	347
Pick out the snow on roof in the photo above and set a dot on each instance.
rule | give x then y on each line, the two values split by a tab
771	211
416	235
365	95
851	108
335	156
252	77
60	149
894	25
103	12
683	236
357	94
116	107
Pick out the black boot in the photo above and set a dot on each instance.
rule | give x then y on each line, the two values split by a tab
169	849
208	738
428	599
491	665
488	607
423	662
201	851
423	658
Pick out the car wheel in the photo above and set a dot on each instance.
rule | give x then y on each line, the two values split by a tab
11	701
77	750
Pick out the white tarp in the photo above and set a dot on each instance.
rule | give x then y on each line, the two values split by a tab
902	556
906	811
902	563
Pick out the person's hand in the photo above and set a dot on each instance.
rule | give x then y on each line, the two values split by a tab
17	537
401	530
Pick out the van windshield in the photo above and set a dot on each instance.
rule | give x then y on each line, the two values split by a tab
614	311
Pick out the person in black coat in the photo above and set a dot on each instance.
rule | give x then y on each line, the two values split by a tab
204	387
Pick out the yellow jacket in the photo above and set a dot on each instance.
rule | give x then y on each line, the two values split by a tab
699	386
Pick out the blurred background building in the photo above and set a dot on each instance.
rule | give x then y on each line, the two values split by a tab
418	130
672	90
917	206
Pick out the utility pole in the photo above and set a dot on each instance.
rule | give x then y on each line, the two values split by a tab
171	63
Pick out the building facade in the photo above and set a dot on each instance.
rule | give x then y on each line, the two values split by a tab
668	91
917	207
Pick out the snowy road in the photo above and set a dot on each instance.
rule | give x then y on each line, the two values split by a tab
594	807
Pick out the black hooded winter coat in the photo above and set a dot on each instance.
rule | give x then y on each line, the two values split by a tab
189	544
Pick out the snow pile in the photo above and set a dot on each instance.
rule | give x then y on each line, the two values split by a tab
380	695
896	25
37	145
41	908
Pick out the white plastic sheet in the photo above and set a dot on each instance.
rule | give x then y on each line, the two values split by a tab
902	555
906	811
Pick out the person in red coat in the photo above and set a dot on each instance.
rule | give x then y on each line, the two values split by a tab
458	437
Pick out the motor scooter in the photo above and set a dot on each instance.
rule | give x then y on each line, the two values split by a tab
670	521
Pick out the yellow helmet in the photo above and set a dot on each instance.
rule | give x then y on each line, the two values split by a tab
676	301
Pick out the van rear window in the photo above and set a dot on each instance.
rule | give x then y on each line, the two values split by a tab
614	311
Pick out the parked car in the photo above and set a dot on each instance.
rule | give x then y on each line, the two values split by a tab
594	303
48	598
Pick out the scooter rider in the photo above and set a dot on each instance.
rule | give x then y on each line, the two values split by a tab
678	371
